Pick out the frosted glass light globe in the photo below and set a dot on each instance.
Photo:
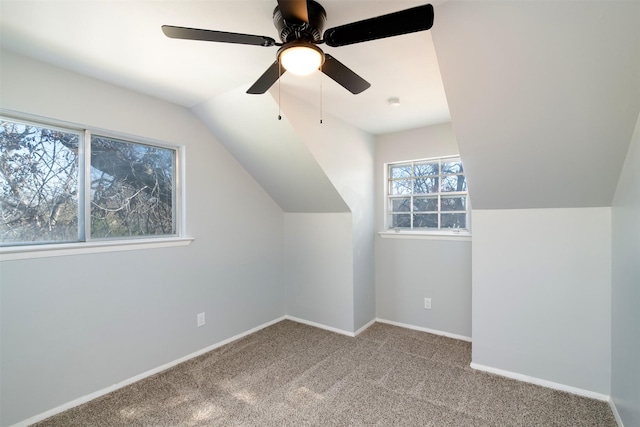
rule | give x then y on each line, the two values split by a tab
301	60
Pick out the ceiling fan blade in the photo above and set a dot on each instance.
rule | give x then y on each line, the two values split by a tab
406	21
216	36
294	10
343	75
267	79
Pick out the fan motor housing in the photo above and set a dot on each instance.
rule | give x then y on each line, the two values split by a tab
300	30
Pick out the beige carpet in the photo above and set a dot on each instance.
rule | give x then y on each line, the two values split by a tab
291	374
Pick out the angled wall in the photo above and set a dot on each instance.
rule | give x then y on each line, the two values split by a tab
75	325
271	151
625	322
346	155
544	97
321	175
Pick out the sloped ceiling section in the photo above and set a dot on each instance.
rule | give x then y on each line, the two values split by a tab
543	97
121	42
271	151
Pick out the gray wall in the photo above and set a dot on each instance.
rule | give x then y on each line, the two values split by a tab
543	120
408	270
542	105
281	162
625	321
309	169
542	294
319	269
73	325
346	155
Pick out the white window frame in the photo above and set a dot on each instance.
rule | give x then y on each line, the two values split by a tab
427	233
87	244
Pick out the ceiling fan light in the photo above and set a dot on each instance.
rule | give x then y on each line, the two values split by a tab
301	60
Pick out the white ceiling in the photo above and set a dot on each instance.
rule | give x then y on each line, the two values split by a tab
544	97
121	42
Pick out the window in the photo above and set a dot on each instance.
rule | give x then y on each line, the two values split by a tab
427	195
62	185
132	189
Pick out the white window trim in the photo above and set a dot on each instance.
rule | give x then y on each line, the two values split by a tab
90	246
429	234
13	253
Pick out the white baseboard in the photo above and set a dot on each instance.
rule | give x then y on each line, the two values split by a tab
136	378
541	382
320	326
361	330
420	328
331	328
616	415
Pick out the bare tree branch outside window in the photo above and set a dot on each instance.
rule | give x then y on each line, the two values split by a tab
131	189
38	184
427	194
131	186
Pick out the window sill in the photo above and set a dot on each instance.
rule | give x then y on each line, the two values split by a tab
81	248
459	237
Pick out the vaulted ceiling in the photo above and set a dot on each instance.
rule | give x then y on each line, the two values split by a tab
542	95
122	42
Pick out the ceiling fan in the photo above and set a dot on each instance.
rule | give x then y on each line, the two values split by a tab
300	24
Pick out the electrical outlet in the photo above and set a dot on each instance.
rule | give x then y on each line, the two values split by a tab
200	319
427	303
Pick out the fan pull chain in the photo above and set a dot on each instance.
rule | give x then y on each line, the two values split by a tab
279	74
321	93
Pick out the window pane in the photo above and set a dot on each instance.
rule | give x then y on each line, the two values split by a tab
453	204
401	221
426	185
452	166
425	220
401	205
425	204
453	183
400	171
132	189
433	192
426	169
456	220
38	184
400	187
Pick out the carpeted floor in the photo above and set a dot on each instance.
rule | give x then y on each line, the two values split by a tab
291	374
